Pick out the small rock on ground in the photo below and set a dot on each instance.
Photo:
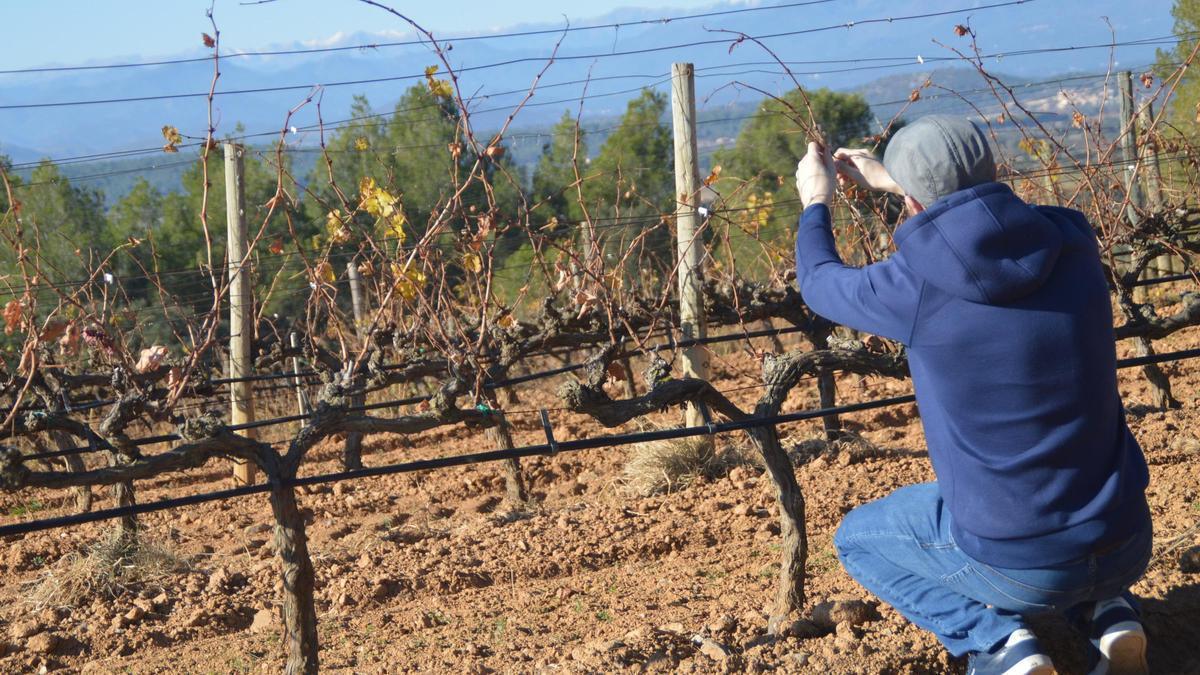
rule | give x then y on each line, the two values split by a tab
264	620
853	612
42	643
1189	561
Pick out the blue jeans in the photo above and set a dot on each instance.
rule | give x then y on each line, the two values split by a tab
901	550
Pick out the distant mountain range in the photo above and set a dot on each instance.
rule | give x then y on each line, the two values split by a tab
899	55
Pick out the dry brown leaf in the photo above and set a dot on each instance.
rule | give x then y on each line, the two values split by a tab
12	316
150	358
617	372
713	176
53	330
69	343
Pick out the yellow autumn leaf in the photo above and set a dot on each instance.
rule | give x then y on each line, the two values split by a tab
336	227
324	272
406	289
384	206
409	280
379	203
361	144
430	70
366	185
473	262
441	88
394	226
172	137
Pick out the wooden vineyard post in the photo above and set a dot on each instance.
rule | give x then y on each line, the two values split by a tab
1150	156
690	242
241	306
1129	155
352	452
1164	264
302	406
357	302
1160	386
1129	162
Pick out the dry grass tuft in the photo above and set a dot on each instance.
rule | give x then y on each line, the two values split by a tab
109	568
857	447
665	466
1187	444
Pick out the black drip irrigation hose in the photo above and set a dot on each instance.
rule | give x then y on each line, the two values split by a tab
551	447
1163	280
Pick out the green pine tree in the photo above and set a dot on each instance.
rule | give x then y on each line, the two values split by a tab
1185	102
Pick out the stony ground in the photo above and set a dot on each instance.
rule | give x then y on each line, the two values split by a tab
430	572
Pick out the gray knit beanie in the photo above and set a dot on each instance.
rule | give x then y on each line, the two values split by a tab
938	155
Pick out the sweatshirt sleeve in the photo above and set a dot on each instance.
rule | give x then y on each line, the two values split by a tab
881	298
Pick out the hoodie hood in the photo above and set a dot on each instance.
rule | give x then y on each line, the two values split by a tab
982	244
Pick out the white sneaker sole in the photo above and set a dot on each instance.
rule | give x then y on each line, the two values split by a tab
1036	664
1124	645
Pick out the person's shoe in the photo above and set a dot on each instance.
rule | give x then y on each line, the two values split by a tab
1118	634
1097	663
1020	655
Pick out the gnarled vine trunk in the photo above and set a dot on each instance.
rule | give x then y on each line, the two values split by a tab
299	610
789	597
75	464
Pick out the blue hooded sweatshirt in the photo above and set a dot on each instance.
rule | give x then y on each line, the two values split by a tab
1005	313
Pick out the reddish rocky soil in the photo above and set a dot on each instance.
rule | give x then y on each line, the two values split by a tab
429	572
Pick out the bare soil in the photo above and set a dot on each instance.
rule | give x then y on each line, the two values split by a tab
430	572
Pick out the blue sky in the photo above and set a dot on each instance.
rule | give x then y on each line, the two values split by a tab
62	32
39	32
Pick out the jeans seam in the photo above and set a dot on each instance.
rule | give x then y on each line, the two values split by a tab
985	579
859	536
1030	587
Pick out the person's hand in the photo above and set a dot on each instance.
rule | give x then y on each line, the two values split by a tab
815	177
865	170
